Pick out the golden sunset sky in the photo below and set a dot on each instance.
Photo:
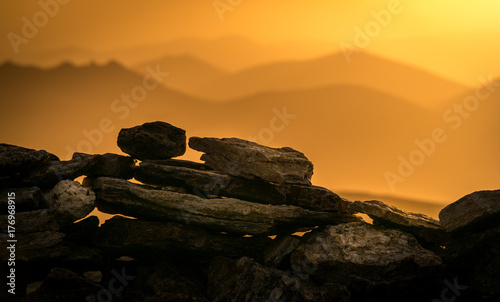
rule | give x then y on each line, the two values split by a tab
453	38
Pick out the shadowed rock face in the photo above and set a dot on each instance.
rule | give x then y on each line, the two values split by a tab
205	183
250	160
478	210
15	160
116	196
157	140
363	256
421	226
27	199
165	240
247	280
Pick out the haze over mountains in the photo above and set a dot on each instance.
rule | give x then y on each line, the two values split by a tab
353	121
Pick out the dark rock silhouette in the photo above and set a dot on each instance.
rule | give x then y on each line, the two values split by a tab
201	232
157	140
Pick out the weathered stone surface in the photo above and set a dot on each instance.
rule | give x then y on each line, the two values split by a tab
250	160
70	201
27	199
112	165
30	222
116	196
65	286
279	250
168	281
157	140
16	160
423	227
363	257
246	280
479	210
164	240
212	184
46	245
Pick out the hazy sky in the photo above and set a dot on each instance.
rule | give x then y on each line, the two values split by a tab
104	25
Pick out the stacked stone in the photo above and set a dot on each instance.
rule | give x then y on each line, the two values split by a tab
202	231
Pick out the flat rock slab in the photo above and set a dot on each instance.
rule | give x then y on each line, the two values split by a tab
156	140
421	226
479	210
250	160
116	196
361	256
217	184
246	280
164	240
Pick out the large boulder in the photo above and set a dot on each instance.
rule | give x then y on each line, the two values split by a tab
15	160
112	165
365	258
250	160
156	140
165	240
248	281
209	183
479	210
70	201
423	227
117	196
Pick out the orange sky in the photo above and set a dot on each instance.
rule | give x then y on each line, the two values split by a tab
431	34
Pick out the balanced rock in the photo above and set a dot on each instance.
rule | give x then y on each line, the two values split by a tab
198	180
156	140
250	160
363	256
421	226
247	280
165	240
479	210
70	201
117	196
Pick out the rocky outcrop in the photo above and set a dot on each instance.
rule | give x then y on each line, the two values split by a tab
208	183
157	140
164	240
423	227
251	281
117	196
363	257
203	232
476	210
250	160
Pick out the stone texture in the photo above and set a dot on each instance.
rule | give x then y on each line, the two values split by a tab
112	165
63	285
281	247
215	184
250	160
164	240
246	280
365	257
30	222
479	210
70	201
423	227
157	140
39	246
17	160
27	199
116	196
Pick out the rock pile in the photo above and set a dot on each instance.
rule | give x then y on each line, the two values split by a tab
226	229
